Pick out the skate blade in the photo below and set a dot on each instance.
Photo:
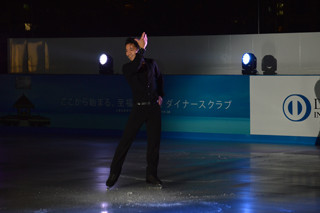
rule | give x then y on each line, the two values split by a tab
152	186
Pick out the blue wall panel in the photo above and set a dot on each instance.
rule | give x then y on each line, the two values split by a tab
192	103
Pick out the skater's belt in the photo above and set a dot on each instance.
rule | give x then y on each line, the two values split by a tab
143	103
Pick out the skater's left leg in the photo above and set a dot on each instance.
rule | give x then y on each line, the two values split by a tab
153	125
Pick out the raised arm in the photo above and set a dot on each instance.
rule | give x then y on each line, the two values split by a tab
143	41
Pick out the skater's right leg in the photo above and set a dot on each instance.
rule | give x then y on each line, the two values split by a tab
133	125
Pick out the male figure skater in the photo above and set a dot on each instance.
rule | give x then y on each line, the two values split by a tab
146	84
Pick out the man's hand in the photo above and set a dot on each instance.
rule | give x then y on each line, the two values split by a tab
143	41
160	100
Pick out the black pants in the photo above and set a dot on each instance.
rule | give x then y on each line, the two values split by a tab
151	116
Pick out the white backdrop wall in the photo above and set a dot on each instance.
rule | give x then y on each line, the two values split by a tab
296	53
285	105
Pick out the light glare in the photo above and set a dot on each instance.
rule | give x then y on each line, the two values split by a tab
103	59
245	58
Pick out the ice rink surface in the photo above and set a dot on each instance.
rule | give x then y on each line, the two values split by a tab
66	173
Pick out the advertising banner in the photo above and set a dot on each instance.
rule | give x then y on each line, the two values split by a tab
192	103
285	105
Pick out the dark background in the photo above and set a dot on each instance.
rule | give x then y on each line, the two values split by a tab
157	17
103	18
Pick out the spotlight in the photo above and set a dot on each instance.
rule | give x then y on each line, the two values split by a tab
105	64
269	65
103	59
249	64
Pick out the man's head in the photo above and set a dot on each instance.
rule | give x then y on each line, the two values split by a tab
132	48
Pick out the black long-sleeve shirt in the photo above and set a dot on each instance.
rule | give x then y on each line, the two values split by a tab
144	78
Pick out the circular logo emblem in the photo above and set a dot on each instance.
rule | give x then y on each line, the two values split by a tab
296	107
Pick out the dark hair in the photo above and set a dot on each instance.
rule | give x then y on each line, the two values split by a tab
132	41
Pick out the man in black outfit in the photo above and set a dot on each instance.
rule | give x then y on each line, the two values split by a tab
146	84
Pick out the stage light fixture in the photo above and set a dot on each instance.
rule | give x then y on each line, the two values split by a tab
249	64
269	65
105	64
